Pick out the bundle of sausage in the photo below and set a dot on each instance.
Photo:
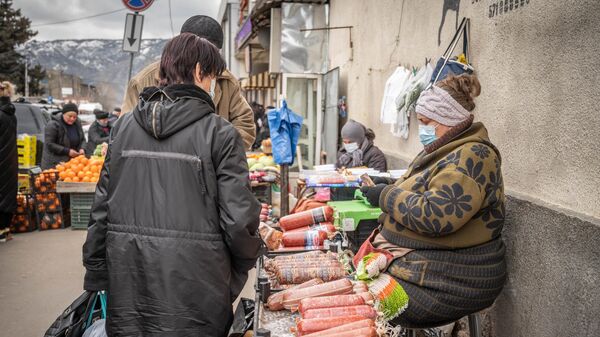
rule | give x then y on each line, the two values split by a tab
312	257
306	218
292	298
275	301
299	268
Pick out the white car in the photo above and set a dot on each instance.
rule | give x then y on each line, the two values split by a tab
86	122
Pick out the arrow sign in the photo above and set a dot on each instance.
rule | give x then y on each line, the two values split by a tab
132	38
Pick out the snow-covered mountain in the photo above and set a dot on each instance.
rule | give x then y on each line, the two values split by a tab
92	60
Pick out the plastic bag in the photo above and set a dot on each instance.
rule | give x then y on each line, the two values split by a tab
98	329
285	126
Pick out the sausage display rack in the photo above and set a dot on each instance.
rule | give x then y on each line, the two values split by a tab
263	290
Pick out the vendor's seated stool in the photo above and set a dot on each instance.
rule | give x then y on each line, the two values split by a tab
474	327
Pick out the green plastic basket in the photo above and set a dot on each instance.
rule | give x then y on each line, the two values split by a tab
81	206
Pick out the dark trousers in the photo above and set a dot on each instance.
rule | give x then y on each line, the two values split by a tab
5	219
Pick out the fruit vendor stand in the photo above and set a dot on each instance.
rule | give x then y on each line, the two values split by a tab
81	196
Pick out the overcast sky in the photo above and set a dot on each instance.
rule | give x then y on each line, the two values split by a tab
156	18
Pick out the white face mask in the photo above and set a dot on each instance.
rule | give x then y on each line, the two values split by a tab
350	147
213	84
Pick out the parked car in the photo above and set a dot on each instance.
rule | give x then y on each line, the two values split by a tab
32	120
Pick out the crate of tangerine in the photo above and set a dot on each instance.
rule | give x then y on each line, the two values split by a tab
46	201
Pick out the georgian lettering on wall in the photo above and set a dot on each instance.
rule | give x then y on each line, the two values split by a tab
503	7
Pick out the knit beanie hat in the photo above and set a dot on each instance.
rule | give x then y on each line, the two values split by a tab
354	131
206	27
438	105
68	107
100	114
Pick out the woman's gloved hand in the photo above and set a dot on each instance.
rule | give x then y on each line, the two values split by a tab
382	180
372	193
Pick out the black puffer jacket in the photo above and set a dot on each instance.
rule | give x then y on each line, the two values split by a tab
173	230
96	135
9	165
56	142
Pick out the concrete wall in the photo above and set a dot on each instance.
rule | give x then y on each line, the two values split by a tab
540	72
538	65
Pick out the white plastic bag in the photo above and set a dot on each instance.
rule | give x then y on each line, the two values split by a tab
98	329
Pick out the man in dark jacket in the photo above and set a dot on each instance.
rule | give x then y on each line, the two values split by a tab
98	132
173	230
63	137
8	160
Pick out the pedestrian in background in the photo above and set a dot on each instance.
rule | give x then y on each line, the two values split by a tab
173	230
9	166
99	131
358	148
63	137
224	90
114	115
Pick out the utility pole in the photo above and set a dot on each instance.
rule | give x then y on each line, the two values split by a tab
26	77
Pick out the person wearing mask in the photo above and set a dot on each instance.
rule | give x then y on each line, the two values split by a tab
63	137
174	258
99	131
224	90
442	221
9	165
114	115
358	148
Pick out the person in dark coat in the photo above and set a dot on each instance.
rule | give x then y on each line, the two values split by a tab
63	137
173	230
114	115
99	131
359	149
9	165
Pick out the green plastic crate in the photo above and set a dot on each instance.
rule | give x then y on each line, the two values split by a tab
81	206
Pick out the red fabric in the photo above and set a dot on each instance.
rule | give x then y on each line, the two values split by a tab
367	247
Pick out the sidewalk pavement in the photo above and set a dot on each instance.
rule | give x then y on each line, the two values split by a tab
41	273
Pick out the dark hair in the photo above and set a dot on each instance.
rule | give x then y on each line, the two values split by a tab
182	53
206	27
462	88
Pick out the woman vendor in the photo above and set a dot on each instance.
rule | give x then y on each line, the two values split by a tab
442	220
359	149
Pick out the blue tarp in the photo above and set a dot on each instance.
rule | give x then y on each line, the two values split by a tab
285	126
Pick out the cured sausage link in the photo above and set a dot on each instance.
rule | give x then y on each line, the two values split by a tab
306	326
365	323
330	302
357	310
275	301
292	298
306	218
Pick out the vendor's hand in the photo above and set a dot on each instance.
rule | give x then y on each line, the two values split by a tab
372	193
81	152
73	153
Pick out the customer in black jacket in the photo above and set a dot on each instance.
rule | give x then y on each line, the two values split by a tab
63	137
99	131
9	165
174	223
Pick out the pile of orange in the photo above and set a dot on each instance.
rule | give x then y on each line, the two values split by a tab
80	170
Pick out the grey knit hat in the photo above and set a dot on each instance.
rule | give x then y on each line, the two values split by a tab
206	27
353	131
437	104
